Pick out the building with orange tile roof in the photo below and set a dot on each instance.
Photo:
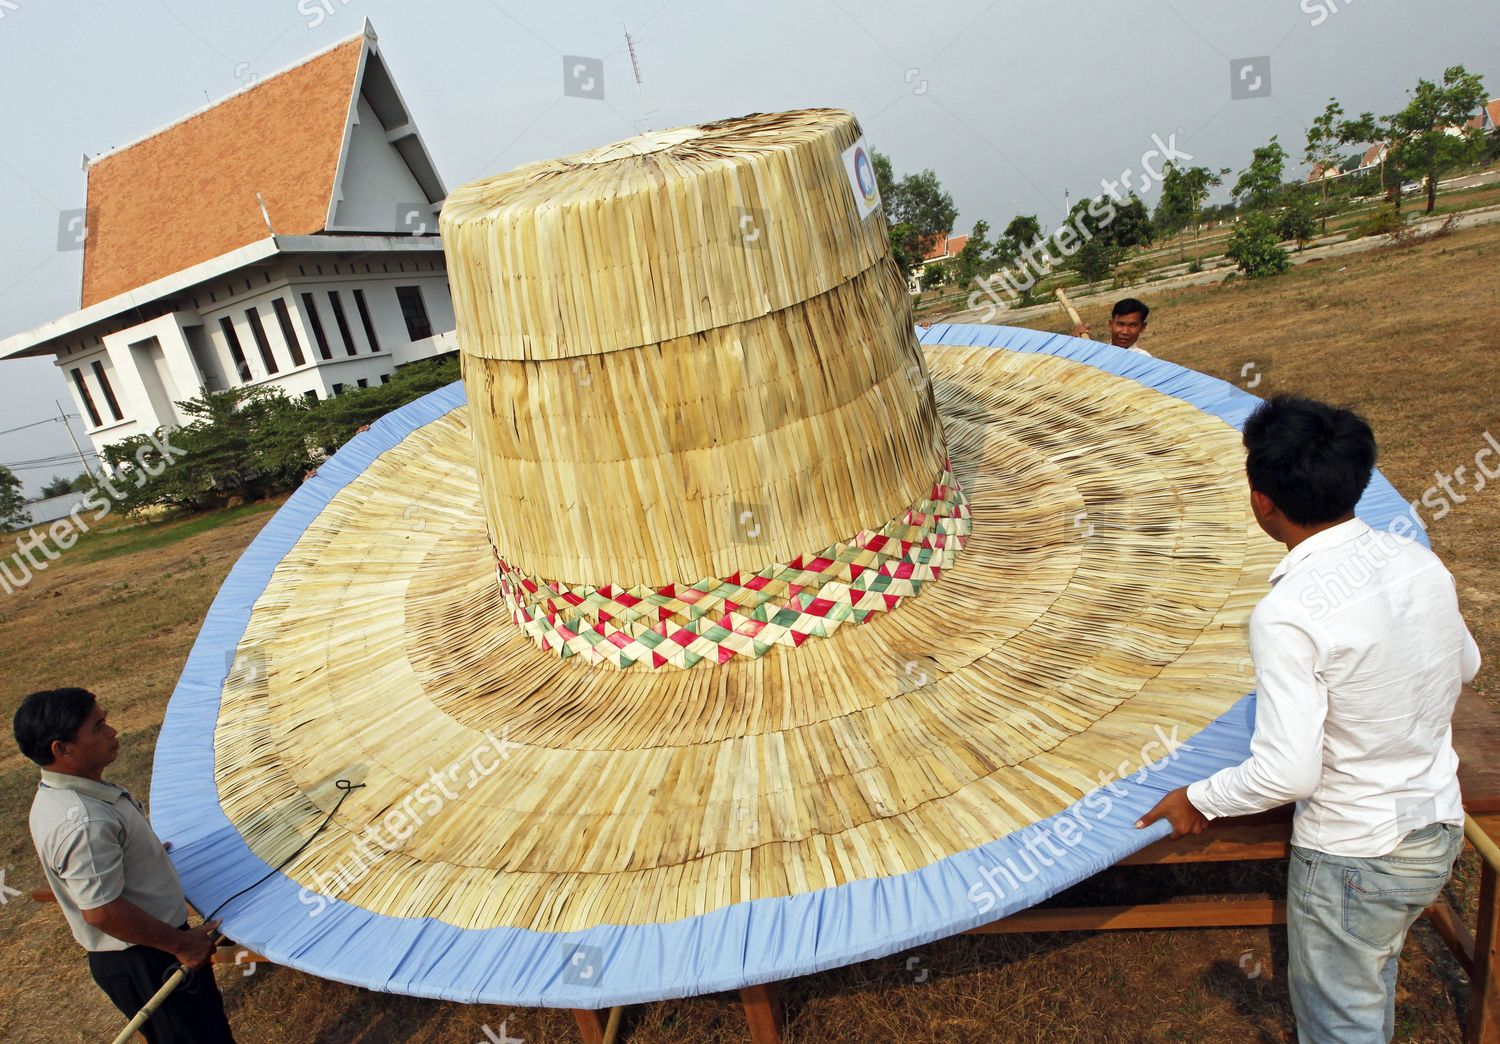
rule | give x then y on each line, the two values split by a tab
285	235
944	245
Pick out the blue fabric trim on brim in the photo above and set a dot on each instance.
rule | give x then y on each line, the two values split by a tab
757	941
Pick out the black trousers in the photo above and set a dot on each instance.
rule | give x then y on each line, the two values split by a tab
193	1014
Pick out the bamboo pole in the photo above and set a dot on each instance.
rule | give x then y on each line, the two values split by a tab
1062	298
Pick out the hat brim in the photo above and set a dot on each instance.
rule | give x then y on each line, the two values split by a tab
385	657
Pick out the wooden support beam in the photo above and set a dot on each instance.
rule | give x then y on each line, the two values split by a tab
1260	910
228	952
1484	990
590	1025
763	1012
1247	841
1451	928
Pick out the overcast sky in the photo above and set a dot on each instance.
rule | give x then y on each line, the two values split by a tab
1012	102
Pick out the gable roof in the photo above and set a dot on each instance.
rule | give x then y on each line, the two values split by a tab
187	193
944	244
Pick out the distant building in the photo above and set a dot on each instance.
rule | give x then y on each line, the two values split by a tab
49	509
1322	171
1373	157
1488	118
1370	159
284	236
945	245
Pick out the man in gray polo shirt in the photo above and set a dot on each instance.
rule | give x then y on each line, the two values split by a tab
110	872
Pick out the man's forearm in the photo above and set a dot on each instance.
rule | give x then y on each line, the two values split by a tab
127	922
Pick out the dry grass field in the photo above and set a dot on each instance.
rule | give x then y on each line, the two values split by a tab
1408	337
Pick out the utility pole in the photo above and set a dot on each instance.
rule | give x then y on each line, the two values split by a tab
62	416
640	82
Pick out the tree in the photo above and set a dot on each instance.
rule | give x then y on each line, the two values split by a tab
885	179
935	275
13	513
245	442
1023	230
1256	247
1095	260
974	259
1325	143
1219	212
1259	184
1298	220
1366	129
915	206
904	252
255	442
1324	146
1183	193
1107	230
56	486
1132	224
1430	136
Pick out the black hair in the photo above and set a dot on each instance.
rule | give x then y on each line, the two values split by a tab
1130	306
1312	459
44	717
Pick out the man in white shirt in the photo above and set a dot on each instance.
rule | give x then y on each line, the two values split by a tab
1360	653
110	873
1127	321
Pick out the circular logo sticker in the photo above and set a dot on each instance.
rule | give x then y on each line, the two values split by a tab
866	175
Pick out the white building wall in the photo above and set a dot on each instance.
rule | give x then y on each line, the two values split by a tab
377	183
109	429
126	353
176	377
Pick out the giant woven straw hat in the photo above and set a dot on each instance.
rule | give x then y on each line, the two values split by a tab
713	630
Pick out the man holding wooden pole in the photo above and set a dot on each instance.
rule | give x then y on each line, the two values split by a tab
110	872
1126	322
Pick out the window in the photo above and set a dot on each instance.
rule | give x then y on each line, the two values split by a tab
288	331
385	378
311	395
342	320
414	312
261	340
317	325
235	351
364	318
88	400
363	382
109	393
338	389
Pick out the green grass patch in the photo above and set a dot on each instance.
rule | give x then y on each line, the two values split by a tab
96	546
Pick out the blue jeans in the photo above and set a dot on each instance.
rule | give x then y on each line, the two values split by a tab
1346	920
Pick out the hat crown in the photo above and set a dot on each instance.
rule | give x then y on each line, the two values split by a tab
688	356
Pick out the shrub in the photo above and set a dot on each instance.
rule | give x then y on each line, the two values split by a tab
1298	221
1383	221
934	275
1095	260
1256	247
251	443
